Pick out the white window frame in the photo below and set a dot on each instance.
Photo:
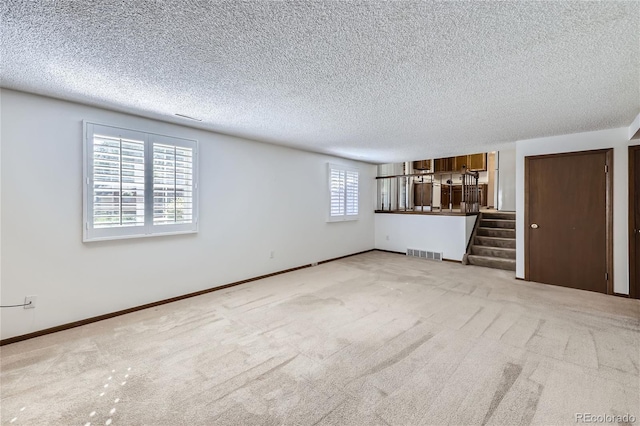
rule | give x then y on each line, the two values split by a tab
342	217
149	229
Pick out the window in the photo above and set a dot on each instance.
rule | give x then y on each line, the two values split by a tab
137	184
343	189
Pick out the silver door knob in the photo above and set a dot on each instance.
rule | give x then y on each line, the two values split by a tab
534	225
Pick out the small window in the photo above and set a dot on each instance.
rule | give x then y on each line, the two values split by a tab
344	193
137	184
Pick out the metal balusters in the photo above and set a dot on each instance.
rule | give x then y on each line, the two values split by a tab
397	197
398	193
470	192
422	185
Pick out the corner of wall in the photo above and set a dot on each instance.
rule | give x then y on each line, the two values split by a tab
634	128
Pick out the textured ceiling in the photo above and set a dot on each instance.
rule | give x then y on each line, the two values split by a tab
379	81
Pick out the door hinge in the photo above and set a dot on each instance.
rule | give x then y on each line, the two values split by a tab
606	168
606	276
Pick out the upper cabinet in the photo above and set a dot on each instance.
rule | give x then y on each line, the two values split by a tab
444	164
473	162
422	165
459	162
477	162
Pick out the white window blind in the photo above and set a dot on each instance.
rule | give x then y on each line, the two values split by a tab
338	185
351	193
172	184
137	184
118	182
344	193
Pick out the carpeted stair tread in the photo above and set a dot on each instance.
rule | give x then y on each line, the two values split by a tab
498	223
495	242
499	215
501	252
492	262
496	232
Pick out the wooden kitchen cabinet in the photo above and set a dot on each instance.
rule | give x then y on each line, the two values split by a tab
446	191
443	164
422	194
474	162
459	161
422	165
483	194
477	162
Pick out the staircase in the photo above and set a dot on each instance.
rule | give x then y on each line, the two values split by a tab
494	241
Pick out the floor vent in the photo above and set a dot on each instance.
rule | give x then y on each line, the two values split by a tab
424	254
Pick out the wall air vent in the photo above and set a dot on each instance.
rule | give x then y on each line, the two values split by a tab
425	254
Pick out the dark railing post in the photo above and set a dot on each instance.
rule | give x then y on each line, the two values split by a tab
422	185
470	191
463	202
406	193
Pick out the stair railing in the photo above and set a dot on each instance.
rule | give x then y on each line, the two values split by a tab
470	191
406	193
421	192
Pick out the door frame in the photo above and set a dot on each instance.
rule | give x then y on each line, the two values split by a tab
634	284
609	208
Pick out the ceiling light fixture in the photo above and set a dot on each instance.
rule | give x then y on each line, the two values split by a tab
188	118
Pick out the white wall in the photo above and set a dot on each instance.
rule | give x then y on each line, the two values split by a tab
439	233
618	139
492	193
507	179
254	198
634	128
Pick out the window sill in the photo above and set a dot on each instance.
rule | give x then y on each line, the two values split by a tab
342	219
135	236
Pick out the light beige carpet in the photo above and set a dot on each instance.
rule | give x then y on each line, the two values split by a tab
372	339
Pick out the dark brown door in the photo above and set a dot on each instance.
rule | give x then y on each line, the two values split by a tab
634	222
567	219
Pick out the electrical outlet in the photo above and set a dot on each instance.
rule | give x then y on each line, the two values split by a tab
30	302
387	238
272	254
